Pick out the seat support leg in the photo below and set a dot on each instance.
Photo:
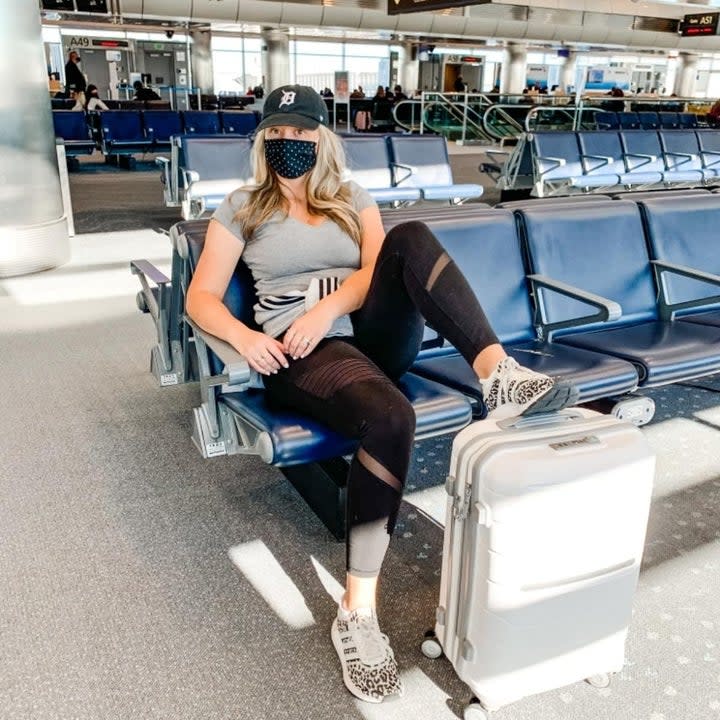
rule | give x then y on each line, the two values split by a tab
323	487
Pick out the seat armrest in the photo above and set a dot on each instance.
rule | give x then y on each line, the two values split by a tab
668	309
559	162
409	169
608	310
147	300
685	158
710	152
163	162
603	160
237	374
640	156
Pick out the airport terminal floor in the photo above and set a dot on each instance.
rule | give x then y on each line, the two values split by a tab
142	581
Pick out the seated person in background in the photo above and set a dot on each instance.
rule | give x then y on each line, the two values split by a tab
335	355
399	95
144	93
713	115
379	93
79	97
93	99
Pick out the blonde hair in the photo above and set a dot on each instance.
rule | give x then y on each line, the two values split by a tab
326	193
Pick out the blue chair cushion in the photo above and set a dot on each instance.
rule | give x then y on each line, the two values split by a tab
711	317
297	439
594	375
662	352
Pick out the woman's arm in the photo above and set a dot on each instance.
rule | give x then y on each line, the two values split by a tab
205	306
315	323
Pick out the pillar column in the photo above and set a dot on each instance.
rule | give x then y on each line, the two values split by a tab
201	61
514	69
33	226
275	58
686	73
568	72
409	68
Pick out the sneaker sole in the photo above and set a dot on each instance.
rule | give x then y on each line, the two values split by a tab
346	678
559	396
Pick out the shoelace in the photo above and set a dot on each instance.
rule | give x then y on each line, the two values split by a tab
510	375
373	645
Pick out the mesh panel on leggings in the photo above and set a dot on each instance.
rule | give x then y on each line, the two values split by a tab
327	379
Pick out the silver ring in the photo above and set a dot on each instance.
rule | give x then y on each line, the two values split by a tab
307	340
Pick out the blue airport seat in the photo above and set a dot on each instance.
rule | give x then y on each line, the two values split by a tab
682	237
682	152
210	168
123	133
605	120
560	166
602	152
669	120
687	120
368	160
486	247
161	125
235	417
648	120
239	122
202	122
73	128
600	248
709	143
629	121
422	162
644	155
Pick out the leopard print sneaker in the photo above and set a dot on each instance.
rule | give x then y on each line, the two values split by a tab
368	662
514	390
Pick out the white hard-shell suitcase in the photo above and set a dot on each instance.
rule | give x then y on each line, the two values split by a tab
544	534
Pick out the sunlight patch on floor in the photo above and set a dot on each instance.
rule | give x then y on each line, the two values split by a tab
266	575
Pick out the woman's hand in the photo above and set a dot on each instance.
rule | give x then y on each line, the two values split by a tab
263	353
307	331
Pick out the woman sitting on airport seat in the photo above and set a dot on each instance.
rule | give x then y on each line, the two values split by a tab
79	97
93	99
341	306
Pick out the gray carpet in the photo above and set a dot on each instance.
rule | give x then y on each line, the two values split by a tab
121	600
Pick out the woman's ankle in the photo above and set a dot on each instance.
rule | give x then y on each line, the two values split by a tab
487	360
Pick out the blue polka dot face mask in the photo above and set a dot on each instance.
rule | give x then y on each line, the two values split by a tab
290	158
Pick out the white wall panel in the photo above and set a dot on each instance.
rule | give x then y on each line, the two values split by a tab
131	8
209	10
341	17
374	20
254	11
415	22
297	14
448	24
168	9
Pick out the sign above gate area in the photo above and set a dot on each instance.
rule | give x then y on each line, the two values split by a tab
398	7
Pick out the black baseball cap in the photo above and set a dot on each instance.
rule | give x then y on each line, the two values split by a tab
296	105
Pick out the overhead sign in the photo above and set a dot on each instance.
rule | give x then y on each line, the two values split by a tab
699	24
398	7
88	6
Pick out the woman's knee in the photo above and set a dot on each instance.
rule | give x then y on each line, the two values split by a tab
409	237
391	424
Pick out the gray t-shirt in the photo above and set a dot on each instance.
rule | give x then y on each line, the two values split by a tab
295	264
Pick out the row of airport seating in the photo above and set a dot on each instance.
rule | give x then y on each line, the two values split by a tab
561	162
644	120
612	295
395	169
127	132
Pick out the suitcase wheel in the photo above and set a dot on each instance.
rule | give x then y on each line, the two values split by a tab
431	648
601	680
475	711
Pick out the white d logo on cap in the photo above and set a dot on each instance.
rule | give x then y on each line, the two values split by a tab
288	98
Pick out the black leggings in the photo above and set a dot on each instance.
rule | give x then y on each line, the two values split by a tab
347	383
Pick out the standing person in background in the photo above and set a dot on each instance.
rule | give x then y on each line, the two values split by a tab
459	84
74	76
93	101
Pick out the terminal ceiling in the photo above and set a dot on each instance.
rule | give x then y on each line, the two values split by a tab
640	24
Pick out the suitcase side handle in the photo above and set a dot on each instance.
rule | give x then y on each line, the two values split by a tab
539	420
